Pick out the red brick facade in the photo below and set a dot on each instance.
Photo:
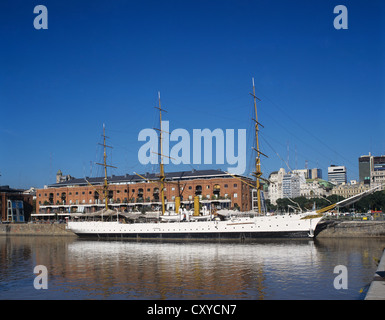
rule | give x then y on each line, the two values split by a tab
212	191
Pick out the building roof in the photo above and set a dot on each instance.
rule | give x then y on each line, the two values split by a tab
10	190
134	178
323	183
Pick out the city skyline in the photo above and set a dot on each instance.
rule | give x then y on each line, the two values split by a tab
321	89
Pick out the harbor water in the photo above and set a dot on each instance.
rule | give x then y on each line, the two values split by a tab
267	269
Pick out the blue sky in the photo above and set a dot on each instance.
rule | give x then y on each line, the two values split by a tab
322	89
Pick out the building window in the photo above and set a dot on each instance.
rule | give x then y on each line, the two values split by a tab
226	185
235	185
235	195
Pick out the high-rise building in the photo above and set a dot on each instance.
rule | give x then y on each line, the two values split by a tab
364	169
337	174
291	185
315	173
372	170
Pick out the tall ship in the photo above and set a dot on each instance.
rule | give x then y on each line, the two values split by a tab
198	224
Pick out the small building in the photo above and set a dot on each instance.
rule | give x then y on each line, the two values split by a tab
15	206
316	188
350	190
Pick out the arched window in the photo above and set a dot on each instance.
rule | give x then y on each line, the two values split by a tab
155	194
198	190
217	190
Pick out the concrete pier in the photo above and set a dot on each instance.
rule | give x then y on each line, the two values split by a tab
377	287
351	229
27	229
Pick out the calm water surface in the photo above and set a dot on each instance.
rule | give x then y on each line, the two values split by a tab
268	269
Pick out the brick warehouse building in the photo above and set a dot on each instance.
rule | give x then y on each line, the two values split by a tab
216	189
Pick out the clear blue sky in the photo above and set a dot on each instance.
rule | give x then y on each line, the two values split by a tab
101	61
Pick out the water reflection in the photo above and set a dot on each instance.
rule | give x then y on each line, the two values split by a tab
154	270
281	269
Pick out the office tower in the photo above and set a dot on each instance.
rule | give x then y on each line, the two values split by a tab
364	169
337	174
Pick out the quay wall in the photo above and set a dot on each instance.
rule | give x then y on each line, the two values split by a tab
326	229
377	287
28	229
351	229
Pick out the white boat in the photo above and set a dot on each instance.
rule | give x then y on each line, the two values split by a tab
239	228
226	225
172	217
235	225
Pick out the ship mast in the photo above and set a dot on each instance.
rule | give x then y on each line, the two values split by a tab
105	165
162	176
257	173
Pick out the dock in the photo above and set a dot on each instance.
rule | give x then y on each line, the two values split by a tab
377	287
35	229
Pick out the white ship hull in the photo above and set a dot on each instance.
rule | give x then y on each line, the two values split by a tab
241	228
